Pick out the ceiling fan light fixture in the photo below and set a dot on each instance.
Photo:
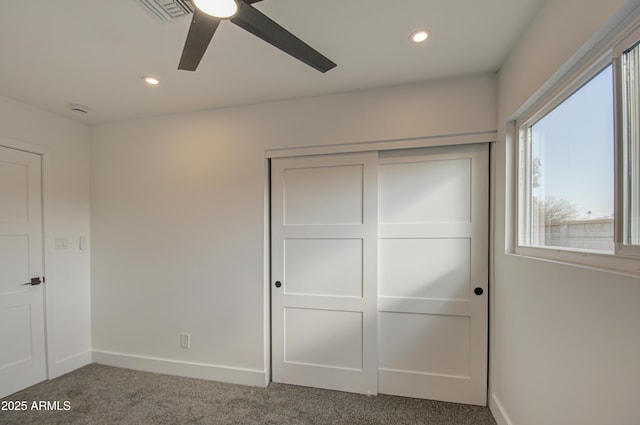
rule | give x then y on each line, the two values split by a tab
217	8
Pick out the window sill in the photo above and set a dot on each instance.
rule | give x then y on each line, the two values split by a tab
594	260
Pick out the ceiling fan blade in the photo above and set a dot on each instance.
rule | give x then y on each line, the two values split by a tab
200	34
254	21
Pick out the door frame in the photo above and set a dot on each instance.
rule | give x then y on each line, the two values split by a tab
46	177
489	137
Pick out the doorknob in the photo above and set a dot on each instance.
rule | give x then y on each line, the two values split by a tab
478	291
34	281
278	284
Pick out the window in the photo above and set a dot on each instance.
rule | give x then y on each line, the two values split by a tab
578	147
568	156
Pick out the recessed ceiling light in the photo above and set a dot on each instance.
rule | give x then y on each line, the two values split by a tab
419	36
152	81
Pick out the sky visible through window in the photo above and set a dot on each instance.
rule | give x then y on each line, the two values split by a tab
573	146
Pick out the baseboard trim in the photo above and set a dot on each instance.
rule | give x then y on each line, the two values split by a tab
498	411
69	364
209	372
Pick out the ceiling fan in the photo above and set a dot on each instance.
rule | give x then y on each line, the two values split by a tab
207	15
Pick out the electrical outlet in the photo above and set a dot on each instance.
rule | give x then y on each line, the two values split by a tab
185	340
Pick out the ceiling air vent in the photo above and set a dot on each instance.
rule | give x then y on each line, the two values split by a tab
167	10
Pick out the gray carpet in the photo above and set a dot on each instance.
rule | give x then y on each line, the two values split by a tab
106	395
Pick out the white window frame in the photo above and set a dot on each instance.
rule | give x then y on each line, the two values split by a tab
607	51
623	207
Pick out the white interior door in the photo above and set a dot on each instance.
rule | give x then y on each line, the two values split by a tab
22	346
323	290
433	273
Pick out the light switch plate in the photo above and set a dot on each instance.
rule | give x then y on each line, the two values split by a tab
61	243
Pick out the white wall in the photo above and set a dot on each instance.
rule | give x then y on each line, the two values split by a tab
65	145
178	212
565	340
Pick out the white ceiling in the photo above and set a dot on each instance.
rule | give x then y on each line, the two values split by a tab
95	52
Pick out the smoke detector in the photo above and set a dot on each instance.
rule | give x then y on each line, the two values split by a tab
166	11
79	109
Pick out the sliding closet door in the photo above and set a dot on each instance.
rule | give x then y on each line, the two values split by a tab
433	277
324	241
